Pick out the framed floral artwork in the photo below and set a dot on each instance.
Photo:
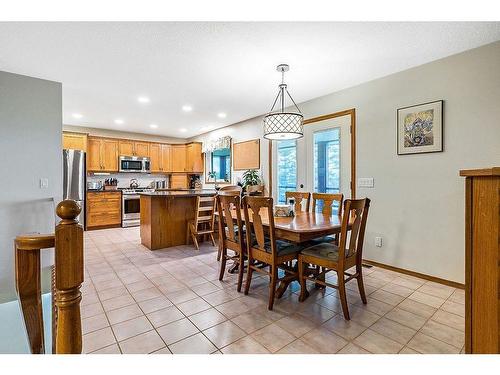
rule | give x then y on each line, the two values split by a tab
420	128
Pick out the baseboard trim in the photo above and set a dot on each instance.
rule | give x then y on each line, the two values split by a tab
416	274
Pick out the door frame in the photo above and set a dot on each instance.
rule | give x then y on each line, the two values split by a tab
348	112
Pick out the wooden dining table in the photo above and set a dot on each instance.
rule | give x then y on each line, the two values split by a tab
300	228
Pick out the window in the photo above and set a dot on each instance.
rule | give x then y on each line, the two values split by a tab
327	161
287	168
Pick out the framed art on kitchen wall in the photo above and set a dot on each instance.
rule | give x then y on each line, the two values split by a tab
420	128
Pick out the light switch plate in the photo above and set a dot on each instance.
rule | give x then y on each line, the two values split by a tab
366	182
378	241
44	183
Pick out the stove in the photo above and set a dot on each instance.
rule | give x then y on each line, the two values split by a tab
131	206
137	190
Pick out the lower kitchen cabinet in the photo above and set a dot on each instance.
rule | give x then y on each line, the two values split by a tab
104	209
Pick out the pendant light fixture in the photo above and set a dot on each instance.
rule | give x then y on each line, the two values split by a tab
279	125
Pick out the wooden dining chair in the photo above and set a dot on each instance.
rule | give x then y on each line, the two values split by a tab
231	232
203	223
299	197
225	189
338	258
267	251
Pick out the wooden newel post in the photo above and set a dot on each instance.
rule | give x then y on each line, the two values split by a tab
69	277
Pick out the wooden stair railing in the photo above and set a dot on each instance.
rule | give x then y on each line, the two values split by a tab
67	278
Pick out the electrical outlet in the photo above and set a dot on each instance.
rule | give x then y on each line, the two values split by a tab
378	241
366	182
44	183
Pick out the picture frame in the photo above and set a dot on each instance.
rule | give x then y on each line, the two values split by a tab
420	128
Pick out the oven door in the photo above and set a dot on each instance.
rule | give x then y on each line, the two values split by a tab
131	209
127	165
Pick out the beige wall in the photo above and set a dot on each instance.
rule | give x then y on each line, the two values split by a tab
418	200
121	134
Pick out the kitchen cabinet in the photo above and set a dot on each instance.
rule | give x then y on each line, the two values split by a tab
179	158
94	154
74	141
194	158
134	148
103	209
160	158
102	155
166	158
179	181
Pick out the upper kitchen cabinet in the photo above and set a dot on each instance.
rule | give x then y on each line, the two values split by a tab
74	141
194	158
179	158
141	149
94	154
102	155
134	148
160	158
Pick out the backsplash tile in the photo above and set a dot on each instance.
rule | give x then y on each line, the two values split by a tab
143	179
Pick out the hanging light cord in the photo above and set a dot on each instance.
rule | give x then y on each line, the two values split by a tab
280	92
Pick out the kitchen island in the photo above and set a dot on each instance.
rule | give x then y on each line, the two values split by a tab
165	215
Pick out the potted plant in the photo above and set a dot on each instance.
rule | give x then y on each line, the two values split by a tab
211	175
252	181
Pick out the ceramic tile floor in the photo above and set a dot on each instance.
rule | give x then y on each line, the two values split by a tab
170	301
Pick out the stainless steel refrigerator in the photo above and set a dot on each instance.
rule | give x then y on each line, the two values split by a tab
74	179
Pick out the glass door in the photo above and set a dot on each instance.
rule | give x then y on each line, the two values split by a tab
318	162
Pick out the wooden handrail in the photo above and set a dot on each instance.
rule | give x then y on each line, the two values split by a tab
66	281
28	285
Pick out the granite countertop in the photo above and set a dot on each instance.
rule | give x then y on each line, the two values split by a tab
179	193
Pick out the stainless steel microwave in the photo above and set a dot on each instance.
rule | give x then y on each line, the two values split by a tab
134	164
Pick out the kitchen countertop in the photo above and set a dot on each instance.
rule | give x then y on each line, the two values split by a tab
179	193
104	191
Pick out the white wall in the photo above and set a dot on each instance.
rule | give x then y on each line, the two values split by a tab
418	200
30	148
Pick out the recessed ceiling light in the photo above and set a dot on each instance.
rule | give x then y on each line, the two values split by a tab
154	126
187	108
183	130
143	99
119	121
77	115
221	115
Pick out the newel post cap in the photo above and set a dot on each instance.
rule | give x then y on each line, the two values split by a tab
68	209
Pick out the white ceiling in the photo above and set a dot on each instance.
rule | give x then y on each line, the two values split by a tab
215	67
